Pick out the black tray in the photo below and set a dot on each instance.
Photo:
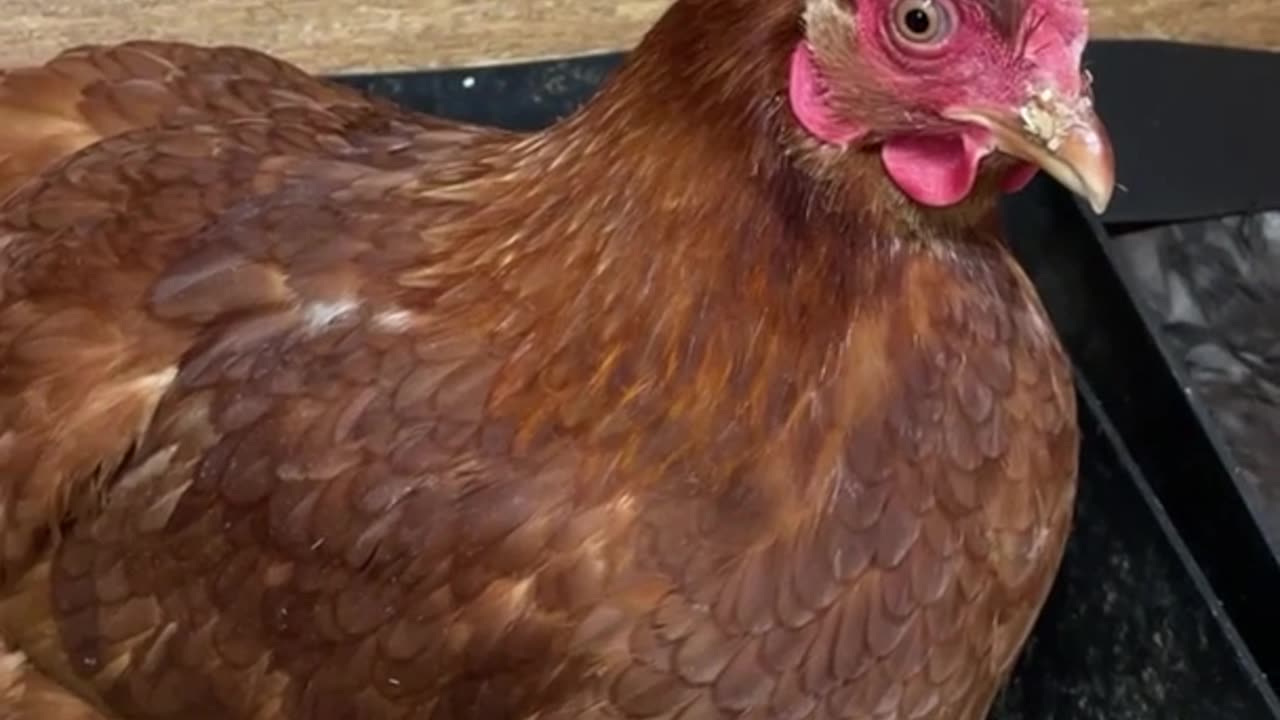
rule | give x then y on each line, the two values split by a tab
1160	608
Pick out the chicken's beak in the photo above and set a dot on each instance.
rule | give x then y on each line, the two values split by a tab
1065	138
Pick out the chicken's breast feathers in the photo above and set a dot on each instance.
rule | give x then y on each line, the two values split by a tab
329	499
273	445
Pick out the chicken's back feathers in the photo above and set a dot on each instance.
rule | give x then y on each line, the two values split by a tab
300	420
223	127
95	92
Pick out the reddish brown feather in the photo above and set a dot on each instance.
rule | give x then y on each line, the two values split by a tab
94	92
342	410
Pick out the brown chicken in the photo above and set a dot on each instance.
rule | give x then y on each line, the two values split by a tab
721	398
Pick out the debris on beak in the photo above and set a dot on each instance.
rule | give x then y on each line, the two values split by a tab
1063	137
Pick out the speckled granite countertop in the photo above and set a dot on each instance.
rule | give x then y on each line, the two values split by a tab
1213	290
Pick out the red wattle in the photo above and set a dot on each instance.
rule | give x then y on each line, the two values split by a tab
1019	177
935	170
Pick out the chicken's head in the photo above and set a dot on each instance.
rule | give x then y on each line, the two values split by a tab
945	90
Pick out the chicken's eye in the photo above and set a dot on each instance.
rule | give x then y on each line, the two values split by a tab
921	22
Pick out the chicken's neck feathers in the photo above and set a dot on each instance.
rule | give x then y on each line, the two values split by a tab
681	264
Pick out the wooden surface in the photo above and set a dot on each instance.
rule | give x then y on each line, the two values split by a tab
349	35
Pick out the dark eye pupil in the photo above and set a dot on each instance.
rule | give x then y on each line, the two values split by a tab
917	21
